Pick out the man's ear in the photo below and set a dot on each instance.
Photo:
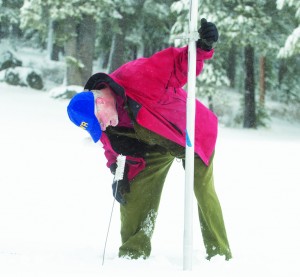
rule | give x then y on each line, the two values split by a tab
100	100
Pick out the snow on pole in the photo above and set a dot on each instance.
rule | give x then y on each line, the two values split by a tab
190	138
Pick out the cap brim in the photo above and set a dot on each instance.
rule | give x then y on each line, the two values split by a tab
95	132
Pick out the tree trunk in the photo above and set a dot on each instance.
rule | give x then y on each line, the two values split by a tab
50	40
86	46
231	66
282	71
73	74
140	50
117	53
55	52
210	102
56	49
249	108
262	80
116	56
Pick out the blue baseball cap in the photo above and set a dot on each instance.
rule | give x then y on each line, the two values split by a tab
81	113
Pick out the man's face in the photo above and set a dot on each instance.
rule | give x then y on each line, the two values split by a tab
105	107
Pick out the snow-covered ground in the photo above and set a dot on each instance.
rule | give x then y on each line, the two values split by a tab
56	199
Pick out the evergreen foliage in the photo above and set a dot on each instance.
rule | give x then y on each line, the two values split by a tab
112	32
10	17
242	23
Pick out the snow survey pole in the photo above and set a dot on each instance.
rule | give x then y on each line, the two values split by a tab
190	138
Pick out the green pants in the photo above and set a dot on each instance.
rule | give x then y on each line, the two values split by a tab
139	214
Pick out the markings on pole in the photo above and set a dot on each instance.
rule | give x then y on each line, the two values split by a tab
187	139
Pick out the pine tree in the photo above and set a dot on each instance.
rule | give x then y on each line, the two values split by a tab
75	23
10	18
242	25
292	44
140	28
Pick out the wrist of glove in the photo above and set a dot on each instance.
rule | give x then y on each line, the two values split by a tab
204	45
209	35
113	168
120	187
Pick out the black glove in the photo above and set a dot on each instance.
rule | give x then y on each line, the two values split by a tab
122	186
208	35
113	168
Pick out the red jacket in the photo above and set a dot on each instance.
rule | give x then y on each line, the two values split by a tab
153	89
